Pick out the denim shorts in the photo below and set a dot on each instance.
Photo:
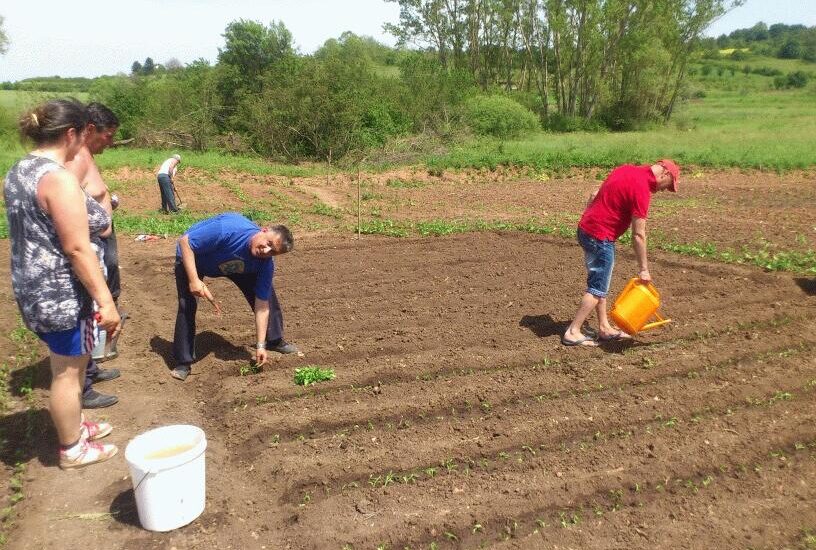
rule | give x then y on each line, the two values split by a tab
79	340
599	257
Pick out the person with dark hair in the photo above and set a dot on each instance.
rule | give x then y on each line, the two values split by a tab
622	201
229	245
165	176
102	126
55	272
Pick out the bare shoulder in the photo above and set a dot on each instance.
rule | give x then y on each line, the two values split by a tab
79	164
60	181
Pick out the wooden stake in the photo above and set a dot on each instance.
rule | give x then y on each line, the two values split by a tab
358	201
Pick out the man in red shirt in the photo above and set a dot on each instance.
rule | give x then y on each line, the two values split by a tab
621	201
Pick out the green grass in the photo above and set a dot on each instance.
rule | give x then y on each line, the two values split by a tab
156	224
17	101
397	183
210	161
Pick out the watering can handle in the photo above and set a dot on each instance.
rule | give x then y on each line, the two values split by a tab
648	284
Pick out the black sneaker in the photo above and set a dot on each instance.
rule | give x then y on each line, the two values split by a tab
181	372
281	346
105	374
92	399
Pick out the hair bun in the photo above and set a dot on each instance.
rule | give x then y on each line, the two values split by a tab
35	120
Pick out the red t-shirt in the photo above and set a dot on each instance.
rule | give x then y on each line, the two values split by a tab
625	194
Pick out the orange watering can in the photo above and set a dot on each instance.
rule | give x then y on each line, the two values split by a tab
635	305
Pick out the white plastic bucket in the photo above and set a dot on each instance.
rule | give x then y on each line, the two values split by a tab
167	470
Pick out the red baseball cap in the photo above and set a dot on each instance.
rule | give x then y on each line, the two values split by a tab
674	170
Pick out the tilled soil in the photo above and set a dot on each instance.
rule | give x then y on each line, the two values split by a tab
457	418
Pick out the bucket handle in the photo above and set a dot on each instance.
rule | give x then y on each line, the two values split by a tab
144	477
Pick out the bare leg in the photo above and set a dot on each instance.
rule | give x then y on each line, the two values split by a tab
67	376
573	333
605	329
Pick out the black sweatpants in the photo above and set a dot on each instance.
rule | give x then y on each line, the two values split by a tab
184	335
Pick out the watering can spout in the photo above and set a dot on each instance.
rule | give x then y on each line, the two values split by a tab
659	323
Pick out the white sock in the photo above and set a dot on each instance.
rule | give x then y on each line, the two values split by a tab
74	450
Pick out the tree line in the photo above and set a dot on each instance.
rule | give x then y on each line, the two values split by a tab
778	40
498	67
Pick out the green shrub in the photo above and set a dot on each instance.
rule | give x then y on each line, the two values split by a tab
796	79
499	116
557	122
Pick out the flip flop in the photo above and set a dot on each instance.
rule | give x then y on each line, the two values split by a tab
586	341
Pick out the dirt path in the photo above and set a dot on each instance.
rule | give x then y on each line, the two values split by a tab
456	417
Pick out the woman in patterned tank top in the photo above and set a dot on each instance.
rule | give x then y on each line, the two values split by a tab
54	270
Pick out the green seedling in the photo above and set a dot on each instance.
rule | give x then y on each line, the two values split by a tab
569	520
408	479
390	477
306	376
249	368
477	528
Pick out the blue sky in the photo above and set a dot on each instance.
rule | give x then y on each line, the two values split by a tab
56	37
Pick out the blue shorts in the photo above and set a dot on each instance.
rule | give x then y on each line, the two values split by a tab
75	341
599	257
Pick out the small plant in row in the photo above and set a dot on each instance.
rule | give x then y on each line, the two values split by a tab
310	374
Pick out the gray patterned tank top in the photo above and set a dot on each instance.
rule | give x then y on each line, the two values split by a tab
50	296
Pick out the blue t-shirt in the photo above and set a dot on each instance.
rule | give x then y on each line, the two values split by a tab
221	247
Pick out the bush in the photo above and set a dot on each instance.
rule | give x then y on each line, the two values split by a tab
767	71
797	79
738	55
557	122
499	116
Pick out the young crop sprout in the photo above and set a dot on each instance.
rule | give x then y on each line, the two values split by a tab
310	374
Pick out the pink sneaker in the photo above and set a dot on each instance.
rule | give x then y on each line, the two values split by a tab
90	453
94	430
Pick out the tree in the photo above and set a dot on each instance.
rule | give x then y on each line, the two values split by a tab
136	68
790	50
4	42
809	45
253	48
149	67
173	64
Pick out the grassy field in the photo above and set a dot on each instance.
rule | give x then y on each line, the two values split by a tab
749	129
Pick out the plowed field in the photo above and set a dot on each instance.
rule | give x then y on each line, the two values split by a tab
457	419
